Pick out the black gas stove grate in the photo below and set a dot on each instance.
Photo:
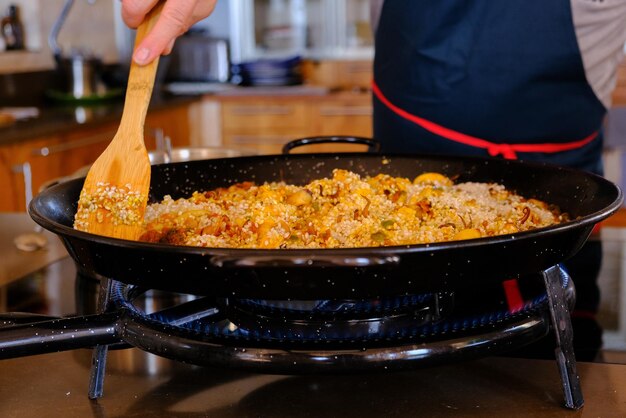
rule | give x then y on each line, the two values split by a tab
322	336
310	324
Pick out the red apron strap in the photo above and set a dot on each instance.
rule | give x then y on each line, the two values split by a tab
513	295
508	151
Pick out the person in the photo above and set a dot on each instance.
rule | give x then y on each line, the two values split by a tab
525	79
176	18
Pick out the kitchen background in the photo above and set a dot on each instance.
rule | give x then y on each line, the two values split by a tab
251	77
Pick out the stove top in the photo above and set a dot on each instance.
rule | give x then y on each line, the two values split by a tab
303	337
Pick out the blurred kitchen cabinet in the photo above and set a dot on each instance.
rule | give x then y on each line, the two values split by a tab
6	181
172	122
265	124
258	143
265	116
25	164
339	74
28	165
31	164
349	116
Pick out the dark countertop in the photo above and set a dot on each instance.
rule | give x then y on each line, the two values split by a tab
56	385
138	384
65	117
59	119
16	263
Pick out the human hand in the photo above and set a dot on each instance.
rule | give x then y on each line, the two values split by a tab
176	18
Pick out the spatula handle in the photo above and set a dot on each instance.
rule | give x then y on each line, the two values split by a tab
140	79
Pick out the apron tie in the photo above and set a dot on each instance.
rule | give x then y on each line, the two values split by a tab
505	150
508	151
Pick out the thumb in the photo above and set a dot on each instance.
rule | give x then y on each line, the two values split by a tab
172	23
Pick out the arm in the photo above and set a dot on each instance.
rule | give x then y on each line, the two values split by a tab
177	17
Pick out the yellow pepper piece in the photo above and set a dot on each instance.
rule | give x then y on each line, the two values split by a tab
407	213
469	233
300	198
432	177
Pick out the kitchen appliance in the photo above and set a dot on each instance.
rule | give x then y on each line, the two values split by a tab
80	69
199	57
81	72
330	310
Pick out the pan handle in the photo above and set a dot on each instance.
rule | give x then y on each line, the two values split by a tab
372	144
304	261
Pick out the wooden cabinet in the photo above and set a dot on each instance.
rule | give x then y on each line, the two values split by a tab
27	165
23	166
172	122
341	74
265	115
265	124
348	115
30	164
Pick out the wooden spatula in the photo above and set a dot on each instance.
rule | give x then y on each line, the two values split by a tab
115	194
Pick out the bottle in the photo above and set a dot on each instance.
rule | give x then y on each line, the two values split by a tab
13	30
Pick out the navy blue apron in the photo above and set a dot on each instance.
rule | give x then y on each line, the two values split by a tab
499	78
486	78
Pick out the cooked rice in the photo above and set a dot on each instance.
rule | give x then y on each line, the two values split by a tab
345	211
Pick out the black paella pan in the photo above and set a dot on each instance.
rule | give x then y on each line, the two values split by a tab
337	273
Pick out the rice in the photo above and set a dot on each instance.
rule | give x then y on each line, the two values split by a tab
345	211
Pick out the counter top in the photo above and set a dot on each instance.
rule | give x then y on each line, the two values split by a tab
60	119
16	263
54	120
56	385
291	93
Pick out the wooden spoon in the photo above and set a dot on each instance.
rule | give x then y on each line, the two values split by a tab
115	193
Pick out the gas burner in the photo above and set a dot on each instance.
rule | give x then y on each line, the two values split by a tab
328	323
337	324
317	336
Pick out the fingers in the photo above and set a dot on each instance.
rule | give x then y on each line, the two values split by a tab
134	11
176	18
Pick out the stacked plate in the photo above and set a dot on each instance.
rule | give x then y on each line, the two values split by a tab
268	72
